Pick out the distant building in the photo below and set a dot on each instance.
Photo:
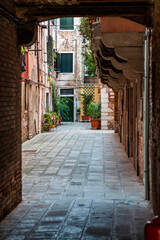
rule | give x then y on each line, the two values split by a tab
56	57
69	62
36	91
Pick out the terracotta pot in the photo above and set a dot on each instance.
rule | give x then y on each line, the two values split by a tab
95	123
47	128
86	118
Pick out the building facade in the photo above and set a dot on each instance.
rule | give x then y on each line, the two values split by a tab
36	91
69	63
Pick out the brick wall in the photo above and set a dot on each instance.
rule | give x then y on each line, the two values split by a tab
129	122
155	134
10	118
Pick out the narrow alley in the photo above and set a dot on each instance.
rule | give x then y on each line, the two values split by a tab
77	184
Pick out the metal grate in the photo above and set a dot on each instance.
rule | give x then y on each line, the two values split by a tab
89	89
68	91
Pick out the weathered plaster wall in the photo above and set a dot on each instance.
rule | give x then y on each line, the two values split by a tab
34	101
70	41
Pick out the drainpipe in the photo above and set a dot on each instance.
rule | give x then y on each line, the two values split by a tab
38	103
56	35
146	112
28	95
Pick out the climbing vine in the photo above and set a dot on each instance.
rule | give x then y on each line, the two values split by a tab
86	31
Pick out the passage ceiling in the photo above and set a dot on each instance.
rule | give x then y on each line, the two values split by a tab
39	10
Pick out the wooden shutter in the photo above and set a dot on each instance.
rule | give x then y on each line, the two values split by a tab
57	62
66	62
67	23
50	51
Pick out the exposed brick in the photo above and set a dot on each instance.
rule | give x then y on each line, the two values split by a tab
10	124
155	114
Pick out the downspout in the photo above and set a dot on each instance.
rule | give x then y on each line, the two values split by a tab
146	112
76	72
38	103
28	94
28	109
56	35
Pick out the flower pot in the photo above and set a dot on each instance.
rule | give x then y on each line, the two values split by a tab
47	128
53	125
95	123
86	118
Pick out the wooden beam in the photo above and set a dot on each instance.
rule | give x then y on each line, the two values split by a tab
141	12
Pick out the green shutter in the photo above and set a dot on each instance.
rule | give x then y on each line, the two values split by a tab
67	62
67	23
58	62
50	51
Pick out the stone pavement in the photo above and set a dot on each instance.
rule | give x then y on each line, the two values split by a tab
77	184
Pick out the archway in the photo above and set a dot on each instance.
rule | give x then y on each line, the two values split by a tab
18	23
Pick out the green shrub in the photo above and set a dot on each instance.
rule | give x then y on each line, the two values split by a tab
47	121
87	98
63	107
94	110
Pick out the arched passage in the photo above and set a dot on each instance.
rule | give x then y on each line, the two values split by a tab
18	26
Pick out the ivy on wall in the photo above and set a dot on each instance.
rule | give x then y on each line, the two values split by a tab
85	29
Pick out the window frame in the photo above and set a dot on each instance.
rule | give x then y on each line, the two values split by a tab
65	94
66	25
72	62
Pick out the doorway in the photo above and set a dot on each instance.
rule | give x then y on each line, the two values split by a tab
69	115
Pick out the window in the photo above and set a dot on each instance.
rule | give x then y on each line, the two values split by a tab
66	63
67	23
67	91
47	100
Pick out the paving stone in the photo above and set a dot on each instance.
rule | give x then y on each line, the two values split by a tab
98	231
42	235
80	185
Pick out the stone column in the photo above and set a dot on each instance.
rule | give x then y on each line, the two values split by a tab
107	115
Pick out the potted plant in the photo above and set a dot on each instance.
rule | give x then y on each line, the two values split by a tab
53	119
47	121
87	98
94	110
